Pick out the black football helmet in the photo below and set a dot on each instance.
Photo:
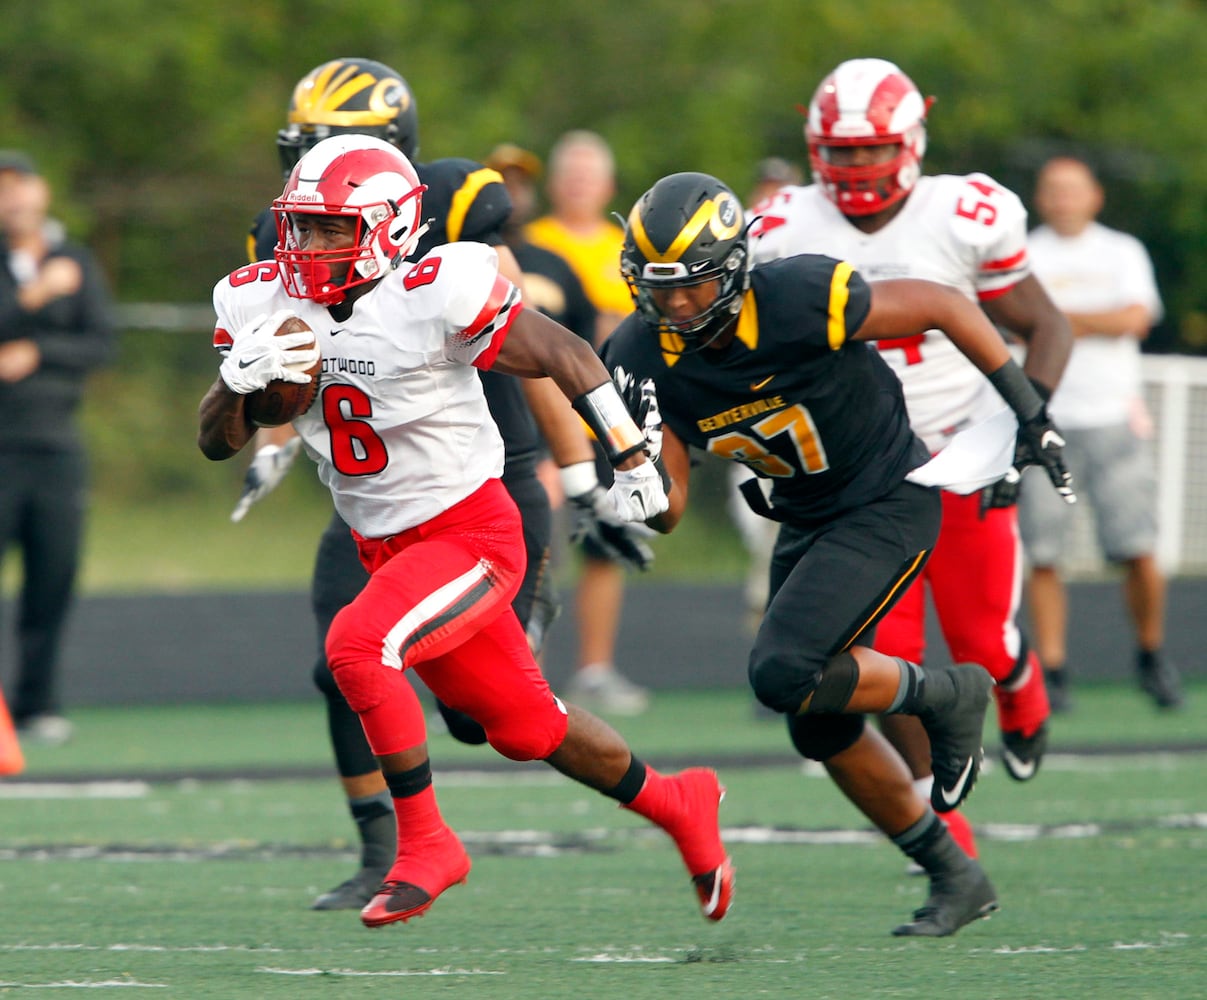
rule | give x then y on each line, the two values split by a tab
349	95
687	229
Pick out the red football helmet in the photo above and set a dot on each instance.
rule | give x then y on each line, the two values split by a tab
867	102
348	175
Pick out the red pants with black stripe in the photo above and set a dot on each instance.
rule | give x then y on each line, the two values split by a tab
438	601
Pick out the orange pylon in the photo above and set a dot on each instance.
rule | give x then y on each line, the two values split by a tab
12	760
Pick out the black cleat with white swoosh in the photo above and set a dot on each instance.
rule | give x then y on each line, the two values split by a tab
1021	754
955	733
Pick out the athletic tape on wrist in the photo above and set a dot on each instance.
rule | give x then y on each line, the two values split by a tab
604	412
578	478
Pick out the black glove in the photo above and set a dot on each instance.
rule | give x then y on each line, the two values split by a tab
1039	443
621	541
1003	493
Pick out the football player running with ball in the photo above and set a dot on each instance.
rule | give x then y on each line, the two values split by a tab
866	131
771	367
404	440
463	200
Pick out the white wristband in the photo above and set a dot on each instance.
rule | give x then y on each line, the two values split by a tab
579	478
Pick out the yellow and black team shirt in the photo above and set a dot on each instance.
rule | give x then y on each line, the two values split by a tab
792	397
463	201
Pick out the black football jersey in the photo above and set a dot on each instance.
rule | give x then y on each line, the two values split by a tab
792	397
463	201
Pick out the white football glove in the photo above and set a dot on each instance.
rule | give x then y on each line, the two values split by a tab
637	493
258	356
265	473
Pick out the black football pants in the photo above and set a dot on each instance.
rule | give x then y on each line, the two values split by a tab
831	583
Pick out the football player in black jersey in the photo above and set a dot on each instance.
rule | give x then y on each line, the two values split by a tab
463	200
769	367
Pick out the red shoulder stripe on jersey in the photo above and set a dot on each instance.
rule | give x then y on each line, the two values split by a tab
1006	263
494	303
504	318
764	224
992	293
223	341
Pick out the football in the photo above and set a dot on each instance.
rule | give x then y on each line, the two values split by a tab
279	402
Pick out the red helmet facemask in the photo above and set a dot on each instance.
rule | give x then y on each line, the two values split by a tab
867	102
348	176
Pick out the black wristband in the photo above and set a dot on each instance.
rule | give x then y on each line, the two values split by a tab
1018	391
604	412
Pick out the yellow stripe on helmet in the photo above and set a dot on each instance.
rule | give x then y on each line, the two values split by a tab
708	214
318	99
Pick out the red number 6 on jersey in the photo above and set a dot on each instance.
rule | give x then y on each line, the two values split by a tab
356	450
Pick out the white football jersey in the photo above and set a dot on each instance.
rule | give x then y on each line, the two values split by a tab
400	430
968	232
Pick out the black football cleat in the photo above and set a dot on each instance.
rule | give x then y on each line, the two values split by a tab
955	735
1021	755
353	893
956	899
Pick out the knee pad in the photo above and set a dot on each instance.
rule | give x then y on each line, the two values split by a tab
324	680
778	685
820	737
528	735
361	677
839	678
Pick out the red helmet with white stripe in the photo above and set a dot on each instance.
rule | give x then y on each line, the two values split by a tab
867	102
356	176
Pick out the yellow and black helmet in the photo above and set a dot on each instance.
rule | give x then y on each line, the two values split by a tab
687	229
349	95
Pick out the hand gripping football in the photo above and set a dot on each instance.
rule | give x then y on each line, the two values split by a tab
279	402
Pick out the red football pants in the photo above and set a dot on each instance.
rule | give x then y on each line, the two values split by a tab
975	581
439	600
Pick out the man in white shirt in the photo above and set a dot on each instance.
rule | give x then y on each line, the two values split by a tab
1103	281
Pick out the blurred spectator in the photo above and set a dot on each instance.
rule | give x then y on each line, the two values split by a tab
55	328
580	186
550	283
1103	281
770	175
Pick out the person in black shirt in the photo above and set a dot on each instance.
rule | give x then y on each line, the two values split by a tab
56	326
770	367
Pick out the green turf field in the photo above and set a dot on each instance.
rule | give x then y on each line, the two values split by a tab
175	850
